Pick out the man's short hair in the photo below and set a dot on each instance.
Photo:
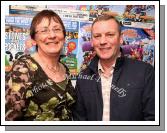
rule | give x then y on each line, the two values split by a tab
106	18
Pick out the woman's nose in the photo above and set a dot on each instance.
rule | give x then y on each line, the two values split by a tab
52	34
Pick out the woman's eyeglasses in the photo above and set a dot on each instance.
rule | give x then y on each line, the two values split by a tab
47	31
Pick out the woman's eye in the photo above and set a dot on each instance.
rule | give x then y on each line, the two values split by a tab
56	30
44	31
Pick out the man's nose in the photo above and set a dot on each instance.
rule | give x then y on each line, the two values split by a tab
103	40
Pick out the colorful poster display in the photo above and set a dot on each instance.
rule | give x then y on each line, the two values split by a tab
138	23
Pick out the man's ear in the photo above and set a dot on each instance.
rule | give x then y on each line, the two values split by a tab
91	41
121	39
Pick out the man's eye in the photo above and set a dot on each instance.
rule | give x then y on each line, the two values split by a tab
110	35
96	36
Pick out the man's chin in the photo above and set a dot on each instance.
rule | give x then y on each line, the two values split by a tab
105	57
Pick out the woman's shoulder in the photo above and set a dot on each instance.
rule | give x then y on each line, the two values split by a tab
65	67
23	58
26	61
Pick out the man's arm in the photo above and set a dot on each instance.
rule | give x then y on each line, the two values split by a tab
149	95
79	111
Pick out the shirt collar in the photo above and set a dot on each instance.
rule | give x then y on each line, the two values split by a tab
100	68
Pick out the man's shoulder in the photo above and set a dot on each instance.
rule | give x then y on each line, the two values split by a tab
137	63
84	71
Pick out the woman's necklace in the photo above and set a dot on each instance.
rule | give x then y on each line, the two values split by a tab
54	69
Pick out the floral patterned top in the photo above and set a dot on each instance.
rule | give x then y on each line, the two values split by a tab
31	95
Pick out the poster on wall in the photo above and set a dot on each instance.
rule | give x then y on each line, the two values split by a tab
139	16
76	15
69	53
25	10
16	32
85	52
113	10
138	44
138	31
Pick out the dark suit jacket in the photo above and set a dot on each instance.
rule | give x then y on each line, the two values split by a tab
132	95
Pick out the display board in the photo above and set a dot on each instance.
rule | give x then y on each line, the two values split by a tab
138	29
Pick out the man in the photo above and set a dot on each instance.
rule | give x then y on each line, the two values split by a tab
112	87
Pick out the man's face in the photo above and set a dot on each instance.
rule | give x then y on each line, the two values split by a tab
106	39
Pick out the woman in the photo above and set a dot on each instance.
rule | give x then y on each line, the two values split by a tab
38	88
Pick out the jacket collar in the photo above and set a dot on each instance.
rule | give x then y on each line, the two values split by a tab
94	63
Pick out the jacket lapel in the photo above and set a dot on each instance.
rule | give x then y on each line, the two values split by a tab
117	72
94	69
